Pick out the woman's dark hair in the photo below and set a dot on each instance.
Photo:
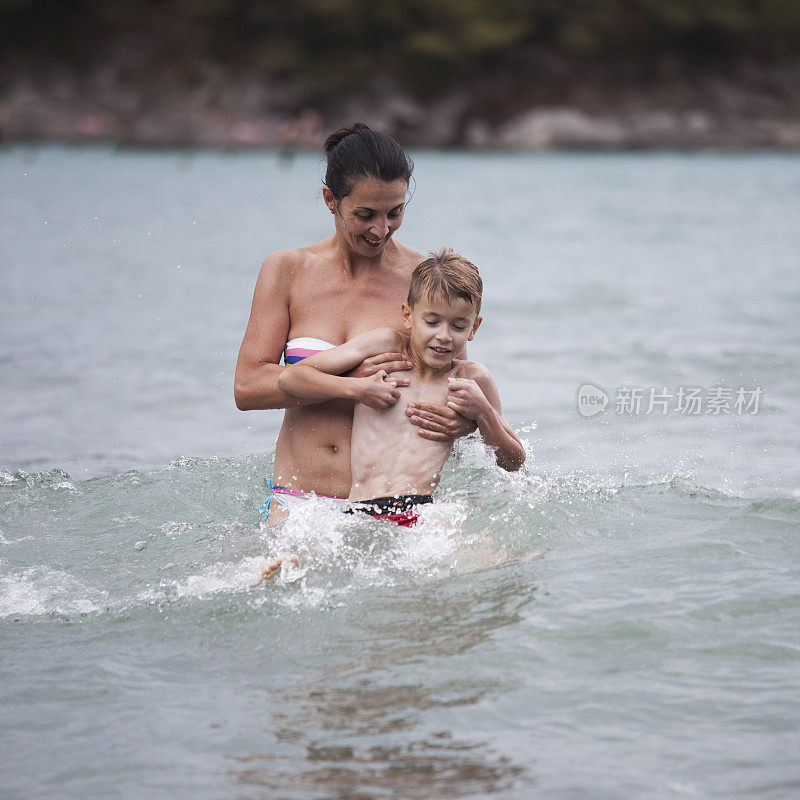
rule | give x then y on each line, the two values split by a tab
359	152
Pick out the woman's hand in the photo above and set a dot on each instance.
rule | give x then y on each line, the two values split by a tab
439	423
378	391
390	362
465	397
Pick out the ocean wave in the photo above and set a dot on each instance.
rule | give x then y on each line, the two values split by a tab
41	590
54	479
191	531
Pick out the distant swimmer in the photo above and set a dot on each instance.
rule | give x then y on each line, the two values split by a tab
393	470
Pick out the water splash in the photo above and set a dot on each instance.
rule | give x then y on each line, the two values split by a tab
203	537
41	590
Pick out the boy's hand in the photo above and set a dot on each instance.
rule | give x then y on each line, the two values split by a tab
465	397
438	423
390	362
378	391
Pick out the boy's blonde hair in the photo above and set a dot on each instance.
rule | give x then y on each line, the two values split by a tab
449	275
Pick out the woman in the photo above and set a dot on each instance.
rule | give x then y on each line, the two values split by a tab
320	296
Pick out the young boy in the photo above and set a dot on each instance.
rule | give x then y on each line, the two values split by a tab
393	468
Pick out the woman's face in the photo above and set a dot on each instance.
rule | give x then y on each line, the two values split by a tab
368	217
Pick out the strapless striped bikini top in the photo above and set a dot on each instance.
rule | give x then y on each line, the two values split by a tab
303	347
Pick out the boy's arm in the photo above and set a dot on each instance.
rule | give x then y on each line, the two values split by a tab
478	398
319	378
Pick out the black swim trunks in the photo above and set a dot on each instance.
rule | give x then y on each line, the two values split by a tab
398	508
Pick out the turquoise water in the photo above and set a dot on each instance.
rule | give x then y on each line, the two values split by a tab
619	621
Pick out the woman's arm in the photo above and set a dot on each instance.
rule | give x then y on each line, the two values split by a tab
258	368
438	422
478	398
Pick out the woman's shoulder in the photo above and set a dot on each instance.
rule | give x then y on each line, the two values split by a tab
296	255
286	264
408	256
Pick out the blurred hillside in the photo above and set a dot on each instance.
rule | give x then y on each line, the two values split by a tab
508	73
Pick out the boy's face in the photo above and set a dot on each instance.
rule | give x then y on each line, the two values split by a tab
440	329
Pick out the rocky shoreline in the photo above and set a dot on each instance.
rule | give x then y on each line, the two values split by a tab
213	106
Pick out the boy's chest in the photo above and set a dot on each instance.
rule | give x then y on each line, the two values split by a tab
392	425
394	420
377	433
420	391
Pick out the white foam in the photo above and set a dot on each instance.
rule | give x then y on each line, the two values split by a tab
7	478
472	453
55	478
338	554
41	590
222	577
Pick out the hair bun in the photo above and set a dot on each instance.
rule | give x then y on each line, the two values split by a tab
333	140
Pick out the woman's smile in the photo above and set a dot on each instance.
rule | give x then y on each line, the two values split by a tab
372	243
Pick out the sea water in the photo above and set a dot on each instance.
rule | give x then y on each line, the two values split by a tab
619	620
